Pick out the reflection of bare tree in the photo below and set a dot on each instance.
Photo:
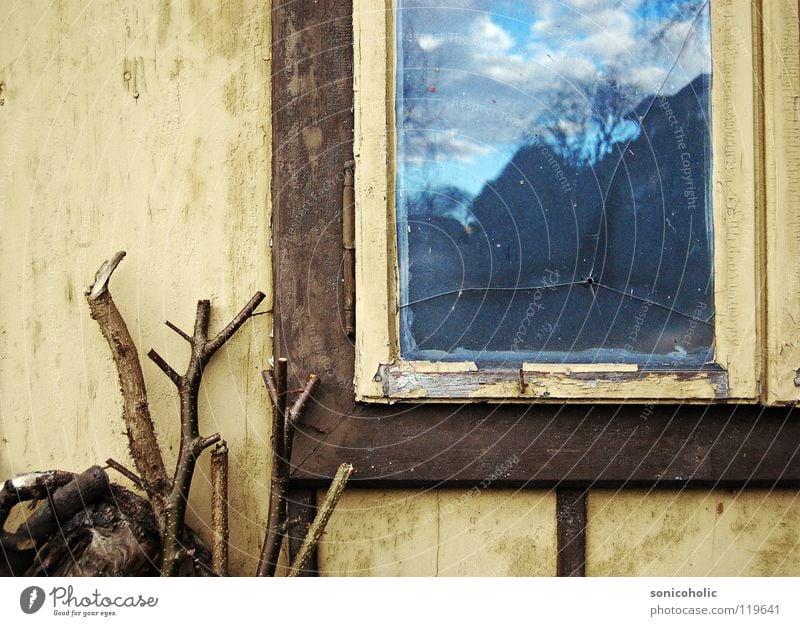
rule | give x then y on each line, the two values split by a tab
610	109
588	119
566	125
587	116
420	115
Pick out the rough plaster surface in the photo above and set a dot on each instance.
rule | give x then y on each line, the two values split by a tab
449	532
719	533
144	126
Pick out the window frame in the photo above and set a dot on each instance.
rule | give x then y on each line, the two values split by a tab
383	376
428	445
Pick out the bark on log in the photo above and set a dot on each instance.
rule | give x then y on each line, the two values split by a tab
142	441
62	505
219	508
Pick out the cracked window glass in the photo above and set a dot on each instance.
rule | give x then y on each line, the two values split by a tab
553	177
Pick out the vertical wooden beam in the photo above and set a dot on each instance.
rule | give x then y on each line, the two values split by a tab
571	532
312	139
302	509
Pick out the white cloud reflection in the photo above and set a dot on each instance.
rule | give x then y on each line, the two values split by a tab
481	73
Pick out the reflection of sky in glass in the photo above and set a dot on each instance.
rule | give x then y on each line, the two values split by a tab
478	77
553	176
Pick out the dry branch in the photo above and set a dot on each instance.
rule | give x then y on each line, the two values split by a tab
293	417
219	508
113	464
284	422
142	440
191	443
276	386
317	527
31	486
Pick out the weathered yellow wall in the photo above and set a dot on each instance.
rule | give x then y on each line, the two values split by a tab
179	177
512	533
448	532
140	125
667	533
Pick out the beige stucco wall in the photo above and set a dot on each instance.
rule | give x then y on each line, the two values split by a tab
447	532
718	533
140	125
144	125
512	533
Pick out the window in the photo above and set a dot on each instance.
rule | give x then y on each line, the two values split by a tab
558	445
553	167
546	211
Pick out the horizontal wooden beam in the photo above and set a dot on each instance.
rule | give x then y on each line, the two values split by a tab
568	446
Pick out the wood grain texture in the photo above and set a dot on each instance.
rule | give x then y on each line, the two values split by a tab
571	516
574	445
781	48
734	197
302	504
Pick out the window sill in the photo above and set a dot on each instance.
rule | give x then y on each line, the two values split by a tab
409	382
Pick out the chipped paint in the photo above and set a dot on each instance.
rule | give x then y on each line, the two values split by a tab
781	49
430	367
570	368
404	381
221	28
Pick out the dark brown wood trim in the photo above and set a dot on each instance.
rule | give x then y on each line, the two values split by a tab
302	509
556	446
525	445
312	121
571	532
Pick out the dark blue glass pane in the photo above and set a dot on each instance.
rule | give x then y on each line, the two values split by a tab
553	181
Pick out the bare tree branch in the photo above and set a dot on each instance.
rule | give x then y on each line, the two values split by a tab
125	472
272	388
198	445
142	440
165	367
279	472
191	443
172	326
169	498
323	516
241	317
282	436
299	405
294	414
219	509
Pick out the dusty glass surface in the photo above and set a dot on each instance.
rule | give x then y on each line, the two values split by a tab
553	181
